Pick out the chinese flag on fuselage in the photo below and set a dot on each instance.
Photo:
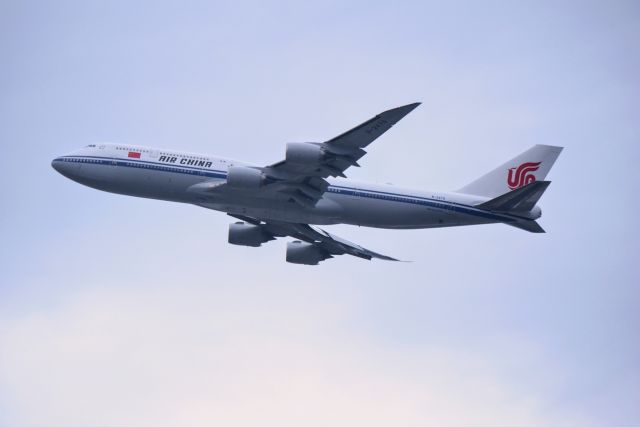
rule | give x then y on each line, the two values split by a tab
134	154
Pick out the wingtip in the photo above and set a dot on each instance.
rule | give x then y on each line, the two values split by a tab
403	110
407	106
388	258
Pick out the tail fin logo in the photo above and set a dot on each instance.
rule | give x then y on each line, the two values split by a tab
523	175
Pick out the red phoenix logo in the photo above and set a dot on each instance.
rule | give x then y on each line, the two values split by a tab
523	175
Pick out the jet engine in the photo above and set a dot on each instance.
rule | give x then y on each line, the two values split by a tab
305	253
242	177
303	153
244	234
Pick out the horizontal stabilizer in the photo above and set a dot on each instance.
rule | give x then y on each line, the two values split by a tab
527	225
522	199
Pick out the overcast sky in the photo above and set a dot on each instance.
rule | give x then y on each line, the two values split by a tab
118	311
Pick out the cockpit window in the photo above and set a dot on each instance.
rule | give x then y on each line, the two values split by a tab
91	146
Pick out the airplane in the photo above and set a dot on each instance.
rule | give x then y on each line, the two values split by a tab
309	188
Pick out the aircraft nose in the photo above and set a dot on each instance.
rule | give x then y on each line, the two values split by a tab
62	166
57	164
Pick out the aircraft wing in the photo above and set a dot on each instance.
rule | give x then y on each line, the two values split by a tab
301	176
314	244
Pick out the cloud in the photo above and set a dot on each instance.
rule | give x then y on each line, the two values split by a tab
174	356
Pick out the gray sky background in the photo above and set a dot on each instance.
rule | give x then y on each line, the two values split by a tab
124	311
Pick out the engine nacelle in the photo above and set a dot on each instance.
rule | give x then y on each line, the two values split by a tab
242	177
303	153
244	234
305	253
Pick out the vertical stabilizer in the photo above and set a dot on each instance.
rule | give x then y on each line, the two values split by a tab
532	165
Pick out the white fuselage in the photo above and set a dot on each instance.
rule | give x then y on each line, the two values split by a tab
170	175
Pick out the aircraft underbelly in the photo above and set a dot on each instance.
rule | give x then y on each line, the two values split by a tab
325	212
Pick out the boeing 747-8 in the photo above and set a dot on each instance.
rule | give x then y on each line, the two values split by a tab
309	187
